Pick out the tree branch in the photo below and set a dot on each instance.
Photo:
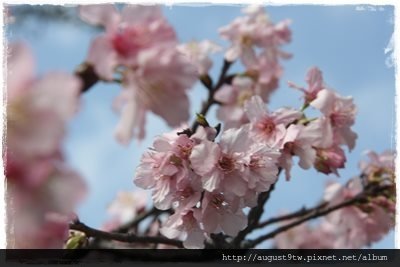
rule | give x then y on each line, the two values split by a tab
254	215
142	216
211	92
315	213
88	76
123	237
301	212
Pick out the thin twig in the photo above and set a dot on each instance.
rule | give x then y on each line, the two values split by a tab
301	212
142	216
123	237
211	92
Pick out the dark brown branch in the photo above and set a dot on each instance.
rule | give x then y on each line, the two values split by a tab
301	212
123	237
88	76
316	213
211	92
142	216
254	215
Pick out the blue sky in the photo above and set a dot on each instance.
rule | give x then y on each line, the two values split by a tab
347	44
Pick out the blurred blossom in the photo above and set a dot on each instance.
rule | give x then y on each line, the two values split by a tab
249	34
198	53
140	45
127	205
42	190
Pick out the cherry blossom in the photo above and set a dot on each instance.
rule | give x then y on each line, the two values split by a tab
269	127
328	160
128	32
253	30
127	205
341	111
315	84
299	141
356	226
166	170
234	164
198	54
141	43
222	213
162	74
232	98
42	190
379	164
304	236
184	225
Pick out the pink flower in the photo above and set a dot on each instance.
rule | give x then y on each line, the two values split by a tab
50	233
42	191
127	205
253	30
356	226
341	111
222	213
305	237
269	127
20	70
40	216
267	70
37	109
234	96
128	33
378	163
315	83
198	52
162	74
166	170
298	141
234	164
260	170
184	225
330	159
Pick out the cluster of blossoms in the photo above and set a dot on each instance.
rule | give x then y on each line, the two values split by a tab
256	40
353	226
42	190
142	46
207	179
209	183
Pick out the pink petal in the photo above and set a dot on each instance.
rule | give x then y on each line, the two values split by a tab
204	157
103	57
141	14
325	101
255	108
233	223
233	53
105	15
20	66
226	94
286	116
235	140
249	57
58	92
194	240
212	180
307	156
